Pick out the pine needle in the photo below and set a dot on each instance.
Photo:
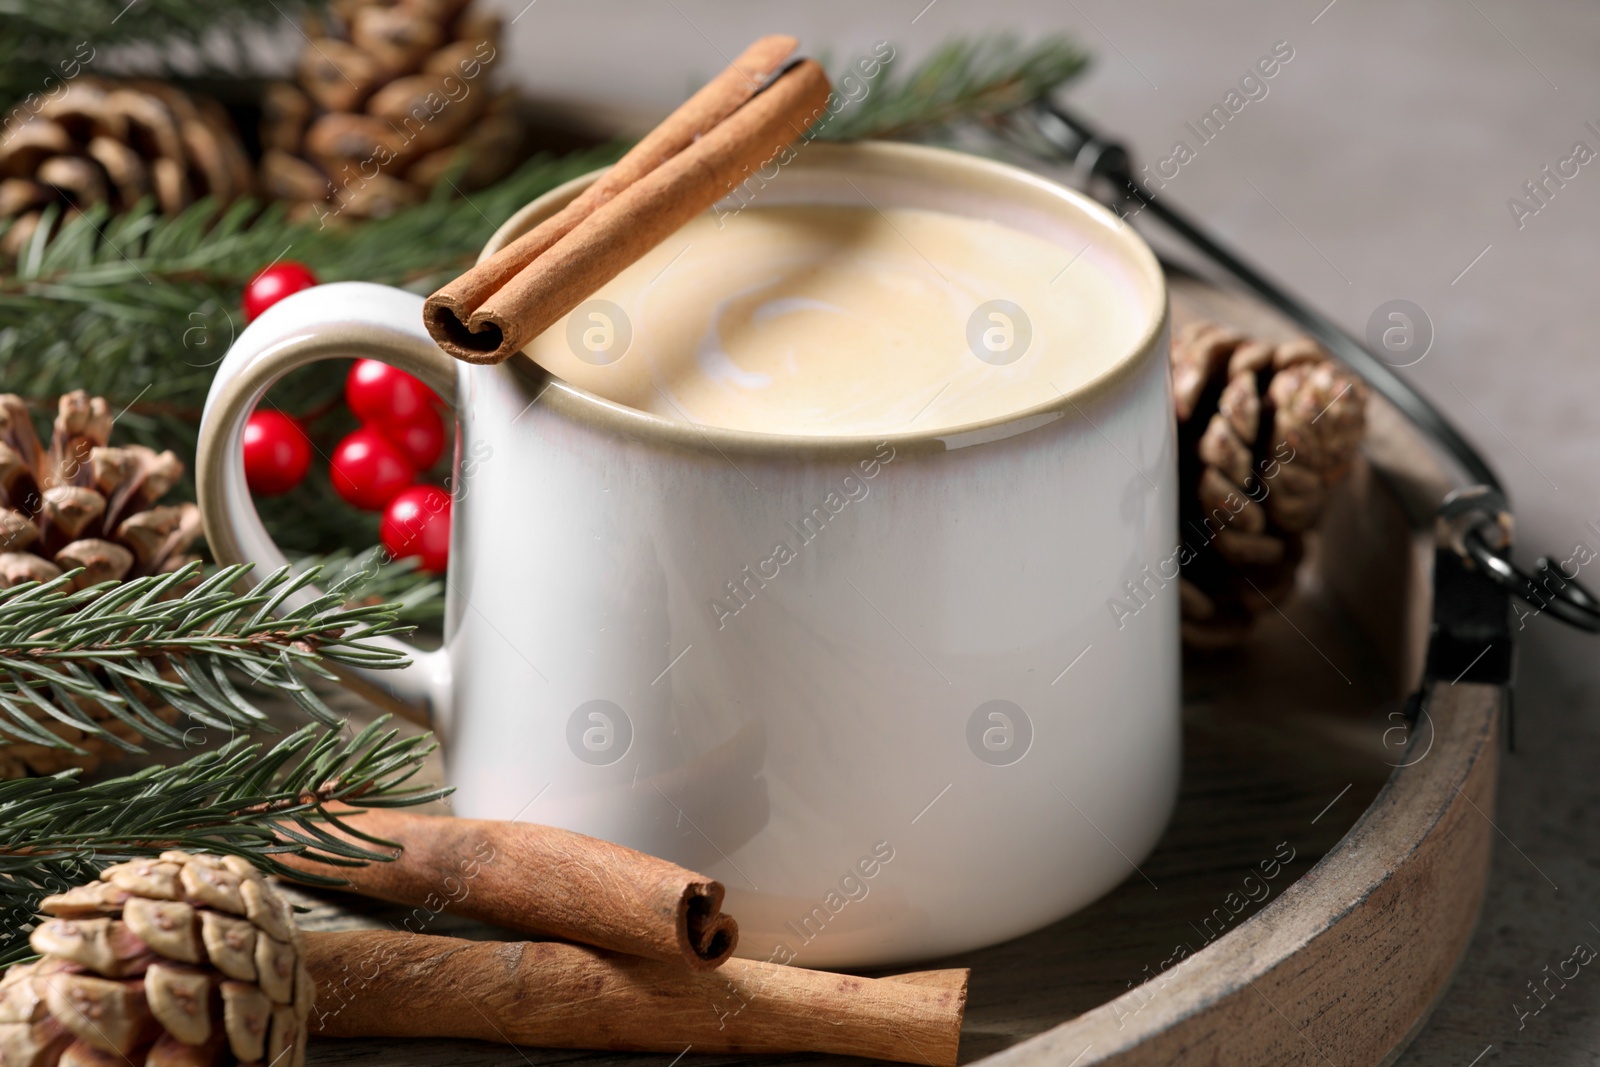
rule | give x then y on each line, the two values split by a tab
414	595
242	799
970	80
64	652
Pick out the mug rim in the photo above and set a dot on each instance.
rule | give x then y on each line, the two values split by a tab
923	162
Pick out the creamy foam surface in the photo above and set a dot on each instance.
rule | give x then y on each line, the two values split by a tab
833	321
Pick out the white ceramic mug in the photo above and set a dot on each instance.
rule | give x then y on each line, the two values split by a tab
924	731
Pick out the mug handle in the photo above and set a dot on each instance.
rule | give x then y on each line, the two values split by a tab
341	320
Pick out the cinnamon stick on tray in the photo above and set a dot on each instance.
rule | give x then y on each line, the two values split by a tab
546	881
739	120
551	995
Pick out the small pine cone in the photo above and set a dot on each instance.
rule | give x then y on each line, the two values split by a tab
181	960
84	503
391	99
1264	432
103	142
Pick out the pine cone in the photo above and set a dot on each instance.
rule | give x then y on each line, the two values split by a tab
83	503
181	961
391	99
115	142
1264	431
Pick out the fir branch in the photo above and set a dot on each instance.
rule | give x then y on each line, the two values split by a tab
241	799
964	81
84	658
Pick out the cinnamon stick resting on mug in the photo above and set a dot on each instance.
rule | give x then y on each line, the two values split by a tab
739	120
550	995
545	881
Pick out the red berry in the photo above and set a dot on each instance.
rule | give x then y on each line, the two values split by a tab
417	523
276	453
273	284
368	470
421	438
379	393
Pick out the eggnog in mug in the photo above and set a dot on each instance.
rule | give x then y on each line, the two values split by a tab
832	320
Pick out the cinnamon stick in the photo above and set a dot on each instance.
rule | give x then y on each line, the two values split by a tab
679	170
545	881
715	101
550	995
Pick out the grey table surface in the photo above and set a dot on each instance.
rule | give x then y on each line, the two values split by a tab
1379	166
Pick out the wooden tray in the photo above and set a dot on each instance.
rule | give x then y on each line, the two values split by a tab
1322	874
